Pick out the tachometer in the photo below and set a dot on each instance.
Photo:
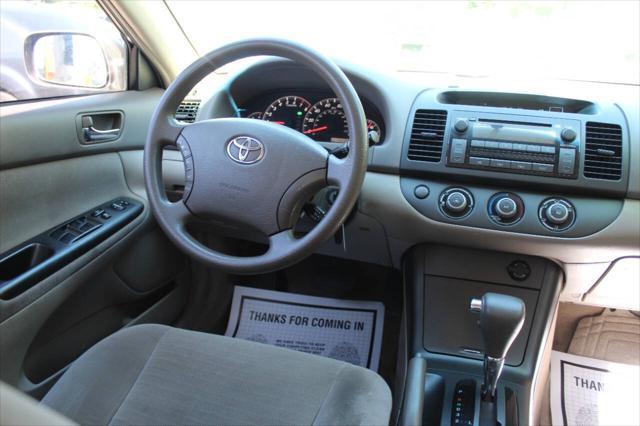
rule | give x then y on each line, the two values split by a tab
288	111
326	121
256	115
373	126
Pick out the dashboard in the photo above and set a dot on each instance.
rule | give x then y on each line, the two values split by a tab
317	114
542	170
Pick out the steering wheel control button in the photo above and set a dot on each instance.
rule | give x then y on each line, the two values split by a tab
519	270
505	208
421	192
458	151
456	203
183	146
557	214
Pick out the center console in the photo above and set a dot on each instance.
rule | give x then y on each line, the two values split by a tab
479	321
515	163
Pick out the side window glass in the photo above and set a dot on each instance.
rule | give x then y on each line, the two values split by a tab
58	48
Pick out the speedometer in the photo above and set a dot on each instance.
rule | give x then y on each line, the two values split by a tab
326	121
288	111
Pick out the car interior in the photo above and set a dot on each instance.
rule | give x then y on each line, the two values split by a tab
202	223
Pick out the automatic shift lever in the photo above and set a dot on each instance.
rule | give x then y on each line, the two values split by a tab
501	318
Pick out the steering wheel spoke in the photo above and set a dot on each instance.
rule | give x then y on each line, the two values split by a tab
339	170
176	212
281	242
168	130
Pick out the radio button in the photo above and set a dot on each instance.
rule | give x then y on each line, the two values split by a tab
533	148
475	143
568	135
567	160
479	161
461	125
521	165
519	147
491	145
458	150
500	164
544	168
506	145
548	149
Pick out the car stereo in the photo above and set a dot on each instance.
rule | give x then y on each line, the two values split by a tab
544	148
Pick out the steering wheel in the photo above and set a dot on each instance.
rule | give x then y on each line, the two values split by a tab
252	173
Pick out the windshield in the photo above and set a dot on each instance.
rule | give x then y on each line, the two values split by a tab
593	41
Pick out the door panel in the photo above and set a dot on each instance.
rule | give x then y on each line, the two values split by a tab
47	177
53	130
36	198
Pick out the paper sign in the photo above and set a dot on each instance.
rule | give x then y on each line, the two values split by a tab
346	330
587	391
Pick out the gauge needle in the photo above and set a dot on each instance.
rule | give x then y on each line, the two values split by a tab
278	122
316	130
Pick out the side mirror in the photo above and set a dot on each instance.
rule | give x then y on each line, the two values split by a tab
68	59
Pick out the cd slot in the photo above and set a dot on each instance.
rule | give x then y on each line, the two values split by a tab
521	123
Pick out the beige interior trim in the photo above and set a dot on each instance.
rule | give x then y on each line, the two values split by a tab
155	31
17	408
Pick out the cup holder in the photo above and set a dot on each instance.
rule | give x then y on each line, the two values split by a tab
23	260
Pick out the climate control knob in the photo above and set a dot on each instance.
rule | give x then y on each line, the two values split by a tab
456	202
506	208
557	214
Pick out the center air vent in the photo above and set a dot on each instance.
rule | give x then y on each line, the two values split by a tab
187	111
603	151
427	135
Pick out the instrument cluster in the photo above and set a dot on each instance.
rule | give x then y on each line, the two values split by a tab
318	115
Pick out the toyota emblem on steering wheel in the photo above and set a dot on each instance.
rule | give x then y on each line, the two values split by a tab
245	150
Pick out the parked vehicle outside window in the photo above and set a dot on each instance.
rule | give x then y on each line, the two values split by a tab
58	48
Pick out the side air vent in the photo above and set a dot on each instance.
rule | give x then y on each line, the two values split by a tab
603	151
187	111
427	135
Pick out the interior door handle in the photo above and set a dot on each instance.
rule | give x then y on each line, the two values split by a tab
109	123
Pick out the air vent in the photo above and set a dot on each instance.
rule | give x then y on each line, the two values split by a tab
603	151
187	111
427	135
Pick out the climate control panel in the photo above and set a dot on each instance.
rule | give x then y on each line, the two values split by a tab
522	211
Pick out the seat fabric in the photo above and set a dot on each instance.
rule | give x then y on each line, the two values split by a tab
152	374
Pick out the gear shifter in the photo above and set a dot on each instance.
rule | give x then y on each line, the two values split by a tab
501	319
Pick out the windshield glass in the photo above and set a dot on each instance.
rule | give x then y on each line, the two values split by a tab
593	41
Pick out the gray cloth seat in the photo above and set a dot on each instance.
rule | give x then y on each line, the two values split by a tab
152	374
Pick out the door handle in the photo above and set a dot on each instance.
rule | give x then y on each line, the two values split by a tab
100	127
